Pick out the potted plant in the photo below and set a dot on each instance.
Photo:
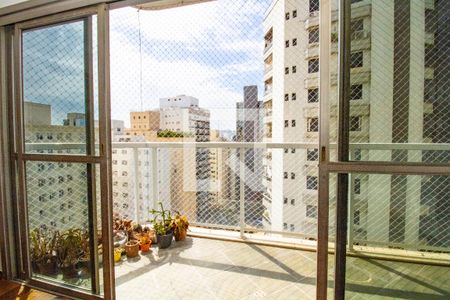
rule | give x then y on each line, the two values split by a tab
162	223
85	254
43	251
132	248
123	225
69	252
145	243
180	226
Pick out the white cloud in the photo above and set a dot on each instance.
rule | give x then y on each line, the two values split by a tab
196	50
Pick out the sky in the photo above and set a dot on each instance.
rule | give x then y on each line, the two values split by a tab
209	51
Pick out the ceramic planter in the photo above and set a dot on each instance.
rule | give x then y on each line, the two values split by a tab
47	268
117	255
69	272
145	247
132	248
164	241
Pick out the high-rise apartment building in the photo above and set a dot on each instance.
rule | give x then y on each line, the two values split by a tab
394	55
249	128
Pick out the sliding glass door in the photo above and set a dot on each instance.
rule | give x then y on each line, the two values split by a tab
61	149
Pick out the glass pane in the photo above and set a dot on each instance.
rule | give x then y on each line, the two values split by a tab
58	197
403	217
399	78
59	70
240	72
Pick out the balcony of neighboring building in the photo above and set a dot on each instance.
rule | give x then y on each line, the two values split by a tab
268	86
268	67
359	9
268	40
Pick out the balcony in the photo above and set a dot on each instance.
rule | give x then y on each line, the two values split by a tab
267	49
231	270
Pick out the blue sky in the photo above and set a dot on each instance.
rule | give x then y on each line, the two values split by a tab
209	51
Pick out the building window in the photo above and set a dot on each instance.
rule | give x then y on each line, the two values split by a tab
285	200
293	123
357	217
313	36
293	150
294	69
357	154
355	124
356	60
313	125
311	182
286	44
286	150
294	14
286	70
292	201
357	28
292	175
313	6
292	227
287	16
286	176
311	211
312	154
294	96
313	65
286	97
356	92
285	226
41	182
357	186
286	123
294	42
313	95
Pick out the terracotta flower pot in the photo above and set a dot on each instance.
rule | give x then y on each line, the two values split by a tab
145	247
180	235
132	248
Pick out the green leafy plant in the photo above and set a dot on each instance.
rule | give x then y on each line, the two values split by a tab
162	220
43	245
70	247
180	222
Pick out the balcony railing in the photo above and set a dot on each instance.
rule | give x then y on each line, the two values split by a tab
160	161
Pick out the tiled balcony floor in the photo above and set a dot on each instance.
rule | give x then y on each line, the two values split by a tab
201	268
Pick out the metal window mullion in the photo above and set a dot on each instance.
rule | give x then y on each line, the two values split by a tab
400	168
90	151
343	147
5	165
105	149
22	209
324	116
82	159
